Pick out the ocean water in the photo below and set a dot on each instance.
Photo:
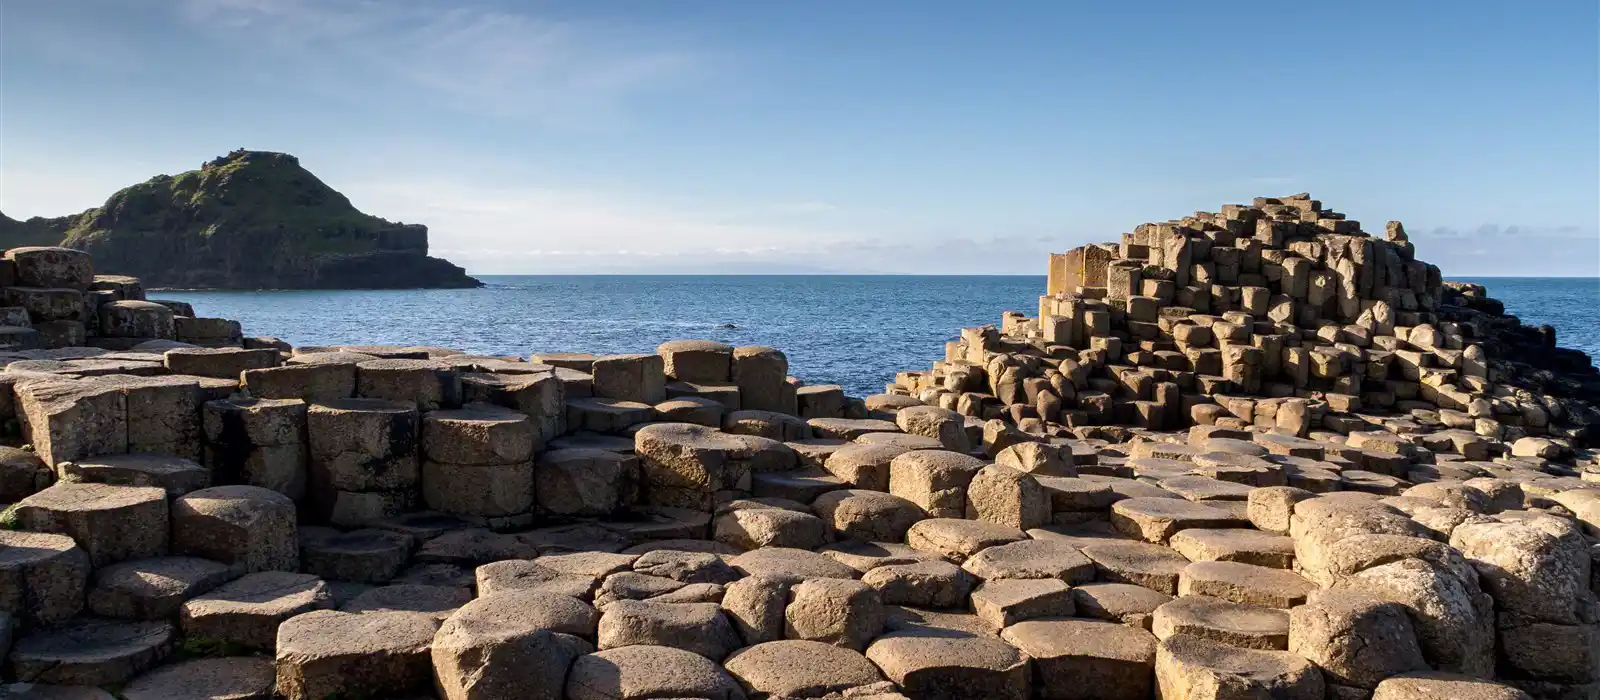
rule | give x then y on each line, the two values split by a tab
856	331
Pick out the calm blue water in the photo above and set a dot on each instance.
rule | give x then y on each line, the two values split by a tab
851	330
1569	304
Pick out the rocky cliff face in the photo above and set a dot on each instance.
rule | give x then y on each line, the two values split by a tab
247	220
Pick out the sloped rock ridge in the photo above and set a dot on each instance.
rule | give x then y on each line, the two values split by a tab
1082	504
247	220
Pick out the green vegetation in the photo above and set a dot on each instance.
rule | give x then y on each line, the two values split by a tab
8	518
250	219
202	648
247	194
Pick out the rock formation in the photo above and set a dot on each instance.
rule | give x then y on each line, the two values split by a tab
248	220
1206	486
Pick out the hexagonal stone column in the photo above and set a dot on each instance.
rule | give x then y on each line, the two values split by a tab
702	361
52	266
327	653
163	413
695	467
363	460
247	611
511	644
42	576
111	523
260	442
136	319
478	464
91	652
430	384
583	482
247	527
67	420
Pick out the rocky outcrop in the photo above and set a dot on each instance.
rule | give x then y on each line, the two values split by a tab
247	220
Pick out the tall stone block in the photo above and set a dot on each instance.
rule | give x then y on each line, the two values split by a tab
69	420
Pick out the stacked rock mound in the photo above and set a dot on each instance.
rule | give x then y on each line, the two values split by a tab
259	521
51	298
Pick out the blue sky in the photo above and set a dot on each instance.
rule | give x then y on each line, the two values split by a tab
937	137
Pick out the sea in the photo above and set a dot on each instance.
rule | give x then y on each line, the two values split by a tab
853	330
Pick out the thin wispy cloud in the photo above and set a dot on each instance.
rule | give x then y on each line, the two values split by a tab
512	230
478	59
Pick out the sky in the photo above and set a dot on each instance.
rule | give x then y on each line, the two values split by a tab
692	136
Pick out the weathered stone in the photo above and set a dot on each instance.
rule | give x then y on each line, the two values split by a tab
1270	507
153	589
224	678
430	384
760	373
69	420
51	266
935	480
820	401
1072	655
1038	459
480	492
260	442
42	577
1244	583
1357	639
1533	567
957	539
1006	496
752	528
1139	563
310	382
1222	621
326	653
363	556
248	611
585	482
697	627
1192	668
1454	622
130	319
90	651
176	475
1004	602
511	644
935	584
1157	519
247	527
1118	602
648	671
640	378
867	515
1241	545
1031	559
221	363
696	360
767	424
22	474
792	565
111	523
690	409
362	445
1433	685
838	612
929	663
163	413
800	669
691	466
